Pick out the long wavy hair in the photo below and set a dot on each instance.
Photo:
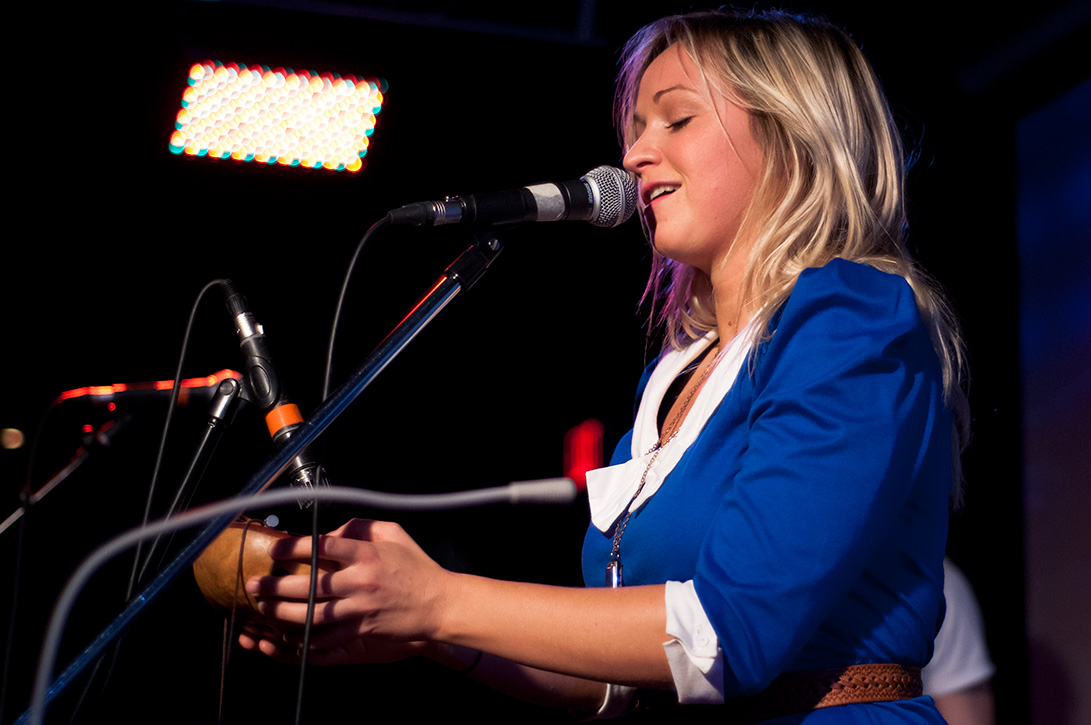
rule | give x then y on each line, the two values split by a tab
833	182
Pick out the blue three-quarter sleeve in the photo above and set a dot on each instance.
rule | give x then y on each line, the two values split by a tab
827	543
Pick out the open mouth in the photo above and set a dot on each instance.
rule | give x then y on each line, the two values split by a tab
658	191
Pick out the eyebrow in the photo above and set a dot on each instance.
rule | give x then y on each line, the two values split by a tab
678	87
637	118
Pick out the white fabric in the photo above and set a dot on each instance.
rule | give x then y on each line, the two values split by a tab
960	659
694	655
610	489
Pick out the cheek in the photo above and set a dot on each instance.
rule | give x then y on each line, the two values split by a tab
726	192
724	205
714	161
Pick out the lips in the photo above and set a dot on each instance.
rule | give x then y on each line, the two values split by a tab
651	192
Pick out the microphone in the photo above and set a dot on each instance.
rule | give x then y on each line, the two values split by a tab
190	390
604	196
282	417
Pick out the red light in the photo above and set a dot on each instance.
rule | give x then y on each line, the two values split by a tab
105	391
583	451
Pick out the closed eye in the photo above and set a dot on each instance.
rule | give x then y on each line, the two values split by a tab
680	123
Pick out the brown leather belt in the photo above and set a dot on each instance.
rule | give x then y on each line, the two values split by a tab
795	692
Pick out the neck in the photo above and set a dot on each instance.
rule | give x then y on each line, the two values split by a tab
726	281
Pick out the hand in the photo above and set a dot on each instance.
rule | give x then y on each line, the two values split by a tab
387	588
335	645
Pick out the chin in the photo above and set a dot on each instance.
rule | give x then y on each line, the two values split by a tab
677	252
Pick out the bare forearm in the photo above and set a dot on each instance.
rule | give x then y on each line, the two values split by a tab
389	599
606	635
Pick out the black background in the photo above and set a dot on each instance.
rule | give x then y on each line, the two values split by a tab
110	237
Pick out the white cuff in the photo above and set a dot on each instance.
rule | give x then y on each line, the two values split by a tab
694	655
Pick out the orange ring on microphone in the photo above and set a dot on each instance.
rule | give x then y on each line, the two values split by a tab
282	416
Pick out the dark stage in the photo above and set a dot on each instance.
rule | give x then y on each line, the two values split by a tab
118	235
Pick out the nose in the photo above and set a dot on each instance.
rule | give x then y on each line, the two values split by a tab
642	154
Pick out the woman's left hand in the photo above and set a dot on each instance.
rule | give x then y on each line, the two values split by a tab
334	645
386	588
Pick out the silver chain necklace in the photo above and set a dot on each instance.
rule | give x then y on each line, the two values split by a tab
613	568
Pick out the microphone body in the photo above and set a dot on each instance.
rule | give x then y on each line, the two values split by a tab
282	417
604	196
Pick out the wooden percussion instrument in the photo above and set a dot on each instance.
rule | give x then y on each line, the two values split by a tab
239	553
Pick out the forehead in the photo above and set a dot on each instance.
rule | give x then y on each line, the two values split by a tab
671	69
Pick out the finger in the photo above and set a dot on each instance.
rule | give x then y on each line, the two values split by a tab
291	639
255	631
327	612
294	586
280	653
370	530
246	641
332	548
355	529
294	548
270	649
329	585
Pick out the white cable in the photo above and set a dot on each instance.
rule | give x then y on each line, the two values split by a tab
546	491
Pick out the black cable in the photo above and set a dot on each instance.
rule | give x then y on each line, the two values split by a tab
136	573
375	228
27	501
163	438
312	591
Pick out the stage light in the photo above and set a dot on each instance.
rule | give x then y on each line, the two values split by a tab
583	451
277	116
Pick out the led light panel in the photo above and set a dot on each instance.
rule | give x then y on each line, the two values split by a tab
277	116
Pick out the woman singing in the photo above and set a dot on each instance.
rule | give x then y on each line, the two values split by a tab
771	532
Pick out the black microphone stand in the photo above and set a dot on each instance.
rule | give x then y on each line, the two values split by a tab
462	274
225	402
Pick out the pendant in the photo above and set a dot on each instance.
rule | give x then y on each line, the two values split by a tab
613	574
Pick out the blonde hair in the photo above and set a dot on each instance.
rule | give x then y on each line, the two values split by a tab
833	182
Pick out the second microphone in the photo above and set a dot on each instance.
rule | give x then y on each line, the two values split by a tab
604	196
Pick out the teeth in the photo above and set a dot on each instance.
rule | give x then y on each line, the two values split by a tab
660	191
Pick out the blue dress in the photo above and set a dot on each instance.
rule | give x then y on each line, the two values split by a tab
811	510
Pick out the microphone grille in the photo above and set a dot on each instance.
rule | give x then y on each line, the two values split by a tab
615	194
